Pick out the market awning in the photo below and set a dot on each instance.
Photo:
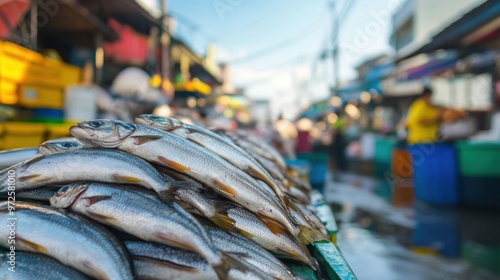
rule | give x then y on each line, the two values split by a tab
76	24
433	66
11	12
129	12
477	27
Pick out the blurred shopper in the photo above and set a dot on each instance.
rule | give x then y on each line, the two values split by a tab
288	134
339	144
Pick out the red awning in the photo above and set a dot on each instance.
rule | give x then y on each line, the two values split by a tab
131	48
11	12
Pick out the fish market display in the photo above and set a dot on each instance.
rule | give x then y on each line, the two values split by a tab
177	153
158	199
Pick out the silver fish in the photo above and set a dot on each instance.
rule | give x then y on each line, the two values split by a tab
215	143
270	150
157	261
29	266
12	157
250	251
59	145
50	232
181	155
229	216
145	217
98	165
40	194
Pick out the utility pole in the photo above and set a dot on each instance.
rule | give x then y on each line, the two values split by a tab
165	41
335	51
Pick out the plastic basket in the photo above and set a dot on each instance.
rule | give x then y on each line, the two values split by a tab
479	159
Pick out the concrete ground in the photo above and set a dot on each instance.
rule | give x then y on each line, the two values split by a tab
417	241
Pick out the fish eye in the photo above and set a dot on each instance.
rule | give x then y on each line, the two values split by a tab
95	123
67	145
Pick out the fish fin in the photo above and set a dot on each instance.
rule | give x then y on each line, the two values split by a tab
172	265
195	141
101	216
226	264
172	164
221	219
93	270
32	245
309	235
187	185
225	188
28	177
273	226
91	200
246	233
169	240
142	139
125	179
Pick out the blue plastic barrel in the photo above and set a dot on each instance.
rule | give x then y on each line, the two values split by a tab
436	173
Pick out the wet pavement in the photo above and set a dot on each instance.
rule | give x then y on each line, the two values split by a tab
384	234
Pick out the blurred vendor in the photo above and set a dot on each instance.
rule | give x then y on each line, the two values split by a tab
424	120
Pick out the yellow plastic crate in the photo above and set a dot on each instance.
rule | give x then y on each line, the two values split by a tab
23	135
41	97
23	67
8	92
58	131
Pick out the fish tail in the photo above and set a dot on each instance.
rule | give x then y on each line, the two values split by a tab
221	219
309	235
226	264
168	193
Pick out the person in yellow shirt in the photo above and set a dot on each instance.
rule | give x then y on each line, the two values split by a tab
424	120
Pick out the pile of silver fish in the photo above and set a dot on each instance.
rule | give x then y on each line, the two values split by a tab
154	199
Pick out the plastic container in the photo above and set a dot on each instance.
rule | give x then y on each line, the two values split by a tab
23	135
32	96
58	131
435	173
383	155
319	166
48	115
401	164
480	192
80	103
479	159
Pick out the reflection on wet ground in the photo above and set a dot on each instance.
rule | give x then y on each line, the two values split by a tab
413	240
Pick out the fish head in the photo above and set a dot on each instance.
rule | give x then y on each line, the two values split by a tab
67	195
52	147
159	122
102	133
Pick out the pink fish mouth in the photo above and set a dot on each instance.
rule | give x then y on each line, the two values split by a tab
80	132
143	121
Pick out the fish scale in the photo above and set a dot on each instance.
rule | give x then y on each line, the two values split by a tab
37	266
